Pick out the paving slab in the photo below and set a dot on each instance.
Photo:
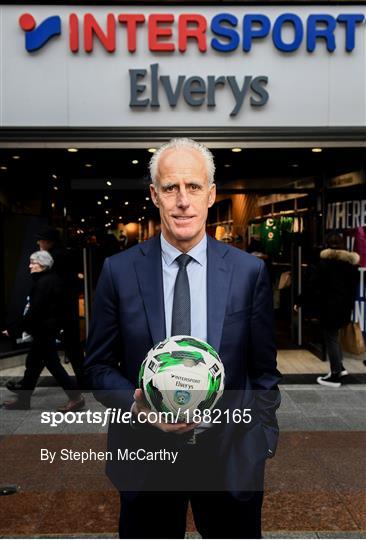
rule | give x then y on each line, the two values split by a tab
307	489
315	486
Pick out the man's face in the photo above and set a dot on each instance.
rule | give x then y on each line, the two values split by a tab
45	245
183	197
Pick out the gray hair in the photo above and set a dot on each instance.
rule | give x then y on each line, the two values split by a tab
43	258
177	144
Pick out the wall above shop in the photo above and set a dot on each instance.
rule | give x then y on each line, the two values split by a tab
252	67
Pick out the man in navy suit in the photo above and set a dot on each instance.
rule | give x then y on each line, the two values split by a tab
220	466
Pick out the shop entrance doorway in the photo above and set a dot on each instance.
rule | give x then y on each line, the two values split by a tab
271	202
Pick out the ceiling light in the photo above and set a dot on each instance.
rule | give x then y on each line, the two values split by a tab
151	150
107	211
294	165
144	207
54	176
126	203
109	183
119	217
15	157
99	202
82	220
227	165
3	168
55	188
135	161
72	150
53	205
236	149
88	165
139	219
317	150
147	198
106	198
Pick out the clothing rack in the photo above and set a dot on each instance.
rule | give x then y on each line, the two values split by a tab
226	222
282	213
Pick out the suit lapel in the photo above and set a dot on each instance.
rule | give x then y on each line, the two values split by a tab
150	278
218	281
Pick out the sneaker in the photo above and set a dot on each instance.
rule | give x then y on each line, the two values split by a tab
332	379
342	373
14	386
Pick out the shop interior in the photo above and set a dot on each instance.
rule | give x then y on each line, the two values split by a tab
270	202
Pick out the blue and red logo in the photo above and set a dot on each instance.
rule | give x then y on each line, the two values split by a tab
224	33
37	36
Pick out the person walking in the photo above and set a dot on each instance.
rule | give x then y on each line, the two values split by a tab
65	267
41	320
334	284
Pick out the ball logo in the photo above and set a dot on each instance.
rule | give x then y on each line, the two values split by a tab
214	370
153	366
181	397
37	36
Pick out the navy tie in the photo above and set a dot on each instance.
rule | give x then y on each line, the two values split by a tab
181	315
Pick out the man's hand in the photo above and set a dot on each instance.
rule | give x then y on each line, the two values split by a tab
140	406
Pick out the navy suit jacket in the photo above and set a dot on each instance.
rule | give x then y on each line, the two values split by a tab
128	319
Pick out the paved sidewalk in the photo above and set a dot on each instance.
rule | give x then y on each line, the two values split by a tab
303	408
315	486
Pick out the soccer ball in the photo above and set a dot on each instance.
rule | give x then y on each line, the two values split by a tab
180	375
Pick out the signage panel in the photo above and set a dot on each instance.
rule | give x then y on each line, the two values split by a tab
221	66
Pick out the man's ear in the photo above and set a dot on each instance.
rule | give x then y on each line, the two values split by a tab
212	195
154	195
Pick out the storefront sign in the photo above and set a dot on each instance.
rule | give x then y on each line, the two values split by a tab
224	33
347	180
346	215
169	66
194	90
359	313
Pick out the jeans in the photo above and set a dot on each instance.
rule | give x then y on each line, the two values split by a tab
334	349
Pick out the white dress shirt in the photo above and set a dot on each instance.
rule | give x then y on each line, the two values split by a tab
197	277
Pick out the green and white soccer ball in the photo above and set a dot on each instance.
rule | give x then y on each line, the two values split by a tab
182	374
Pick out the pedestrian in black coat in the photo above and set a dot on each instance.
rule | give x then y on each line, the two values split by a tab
42	320
66	267
337	281
334	287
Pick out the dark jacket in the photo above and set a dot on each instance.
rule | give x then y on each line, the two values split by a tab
129	318
65	265
46	304
333	287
